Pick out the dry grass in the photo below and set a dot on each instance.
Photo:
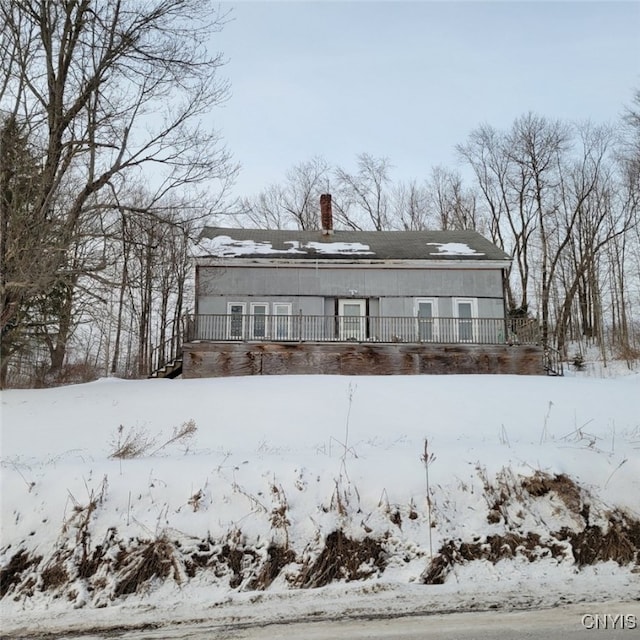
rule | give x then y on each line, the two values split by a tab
181	434
137	442
238	560
117	567
278	557
620	542
343	558
153	559
493	549
11	574
54	575
617	540
278	516
195	500
133	444
540	484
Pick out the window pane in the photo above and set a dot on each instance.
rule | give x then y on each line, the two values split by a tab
425	310
282	313
352	309
259	320
465	322
237	320
425	321
464	310
352	321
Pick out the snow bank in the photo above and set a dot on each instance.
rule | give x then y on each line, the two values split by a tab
281	463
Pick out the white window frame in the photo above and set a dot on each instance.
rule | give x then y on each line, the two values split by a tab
345	325
252	320
435	328
278	318
474	316
230	335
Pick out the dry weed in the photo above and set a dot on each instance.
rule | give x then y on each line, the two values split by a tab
153	559
54	575
540	484
195	499
133	444
278	516
278	557
182	434
137	442
343	558
11	574
493	549
620	543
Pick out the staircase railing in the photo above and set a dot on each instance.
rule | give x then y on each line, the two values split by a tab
552	360
168	350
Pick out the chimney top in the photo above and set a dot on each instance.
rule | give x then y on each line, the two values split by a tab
326	214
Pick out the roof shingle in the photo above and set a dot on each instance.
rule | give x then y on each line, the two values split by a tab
352	245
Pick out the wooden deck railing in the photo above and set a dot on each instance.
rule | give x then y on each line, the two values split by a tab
306	328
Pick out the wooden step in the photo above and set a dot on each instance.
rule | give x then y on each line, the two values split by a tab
169	370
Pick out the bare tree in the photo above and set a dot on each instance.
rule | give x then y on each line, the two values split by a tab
590	219
504	187
411	207
455	206
554	201
363	197
536	146
295	202
99	92
624	251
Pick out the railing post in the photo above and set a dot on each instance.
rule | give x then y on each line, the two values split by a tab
332	328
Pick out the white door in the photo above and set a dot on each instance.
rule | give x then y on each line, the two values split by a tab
465	314
235	320
282	321
425	313
259	311
352	319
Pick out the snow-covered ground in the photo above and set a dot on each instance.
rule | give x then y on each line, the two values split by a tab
227	495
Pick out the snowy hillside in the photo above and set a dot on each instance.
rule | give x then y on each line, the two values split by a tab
172	498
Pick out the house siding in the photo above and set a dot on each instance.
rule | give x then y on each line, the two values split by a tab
311	289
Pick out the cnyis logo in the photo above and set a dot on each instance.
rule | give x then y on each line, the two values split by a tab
609	621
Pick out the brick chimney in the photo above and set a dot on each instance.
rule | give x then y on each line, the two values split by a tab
326	215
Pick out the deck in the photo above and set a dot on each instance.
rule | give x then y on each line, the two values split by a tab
243	344
370	329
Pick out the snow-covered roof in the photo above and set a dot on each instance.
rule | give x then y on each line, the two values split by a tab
353	245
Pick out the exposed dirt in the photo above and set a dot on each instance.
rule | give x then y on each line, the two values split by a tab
116	567
493	549
618	539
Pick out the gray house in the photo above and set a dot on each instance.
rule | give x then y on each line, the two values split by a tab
353	302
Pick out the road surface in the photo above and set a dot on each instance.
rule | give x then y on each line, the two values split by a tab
618	620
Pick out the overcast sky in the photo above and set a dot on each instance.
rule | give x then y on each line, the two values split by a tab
410	80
